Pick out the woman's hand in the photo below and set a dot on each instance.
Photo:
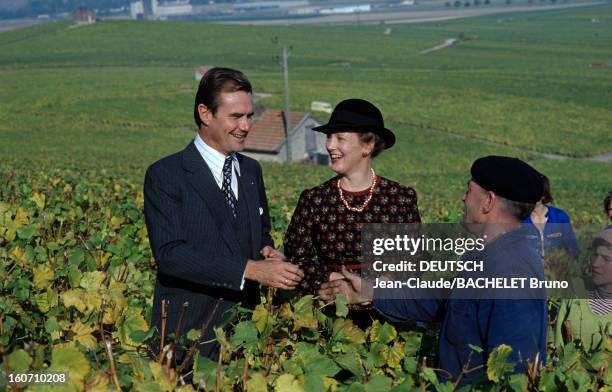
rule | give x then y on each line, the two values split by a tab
352	286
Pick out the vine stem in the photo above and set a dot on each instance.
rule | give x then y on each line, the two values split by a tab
245	372
194	346
164	320
108	349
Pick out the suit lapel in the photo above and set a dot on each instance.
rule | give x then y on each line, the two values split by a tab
246	181
202	180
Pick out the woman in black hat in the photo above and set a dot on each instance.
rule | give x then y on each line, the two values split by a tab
325	230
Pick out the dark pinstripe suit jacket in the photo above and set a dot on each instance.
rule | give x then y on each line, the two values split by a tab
193	239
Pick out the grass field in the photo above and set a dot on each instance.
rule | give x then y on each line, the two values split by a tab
119	95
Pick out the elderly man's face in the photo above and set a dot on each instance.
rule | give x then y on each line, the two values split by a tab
473	200
227	129
601	266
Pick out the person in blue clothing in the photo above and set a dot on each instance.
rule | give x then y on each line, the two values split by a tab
552	226
500	194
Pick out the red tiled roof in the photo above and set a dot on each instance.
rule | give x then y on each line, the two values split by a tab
267	132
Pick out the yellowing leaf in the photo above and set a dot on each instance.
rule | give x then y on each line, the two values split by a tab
19	255
116	222
132	321
74	297
497	363
165	379
43	275
39	200
99	382
287	383
93	299
68	359
21	218
104	257
139	200
118	302
92	281
82	334
260	317
257	383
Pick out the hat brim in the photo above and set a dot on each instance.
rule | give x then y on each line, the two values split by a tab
385	134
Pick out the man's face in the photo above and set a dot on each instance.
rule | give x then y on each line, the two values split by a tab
473	200
227	129
610	209
601	266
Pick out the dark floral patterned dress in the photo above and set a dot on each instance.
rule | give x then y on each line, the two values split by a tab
324	235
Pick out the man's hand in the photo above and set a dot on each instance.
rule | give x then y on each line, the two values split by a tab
270	253
274	272
355	289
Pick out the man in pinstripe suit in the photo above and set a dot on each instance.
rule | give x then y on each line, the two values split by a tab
207	216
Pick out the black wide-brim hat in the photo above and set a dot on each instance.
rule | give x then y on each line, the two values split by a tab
358	115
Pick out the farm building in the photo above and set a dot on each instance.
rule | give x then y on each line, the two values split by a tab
200	71
266	140
84	15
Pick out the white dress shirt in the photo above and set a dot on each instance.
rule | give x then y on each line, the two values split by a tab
215	161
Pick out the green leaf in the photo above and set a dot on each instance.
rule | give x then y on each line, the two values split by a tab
193	334
350	362
410	364
475	348
245	335
378	383
313	383
204	372
26	232
518	382
140	337
341	308
497	364
413	341
547	381
19	361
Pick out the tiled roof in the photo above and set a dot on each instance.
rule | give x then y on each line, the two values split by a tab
267	132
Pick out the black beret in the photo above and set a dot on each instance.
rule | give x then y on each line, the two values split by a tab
509	178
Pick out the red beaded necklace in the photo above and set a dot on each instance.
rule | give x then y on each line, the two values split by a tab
367	200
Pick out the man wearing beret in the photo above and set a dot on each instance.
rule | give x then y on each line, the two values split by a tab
500	194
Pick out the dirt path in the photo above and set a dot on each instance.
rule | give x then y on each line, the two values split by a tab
448	42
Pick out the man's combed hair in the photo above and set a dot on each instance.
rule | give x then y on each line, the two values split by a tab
214	82
518	209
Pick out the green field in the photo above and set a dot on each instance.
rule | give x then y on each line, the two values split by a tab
119	93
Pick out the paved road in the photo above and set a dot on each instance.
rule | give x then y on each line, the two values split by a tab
410	16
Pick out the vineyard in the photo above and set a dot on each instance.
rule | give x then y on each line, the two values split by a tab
86	110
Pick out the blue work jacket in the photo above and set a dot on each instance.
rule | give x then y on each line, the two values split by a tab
558	233
487	321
